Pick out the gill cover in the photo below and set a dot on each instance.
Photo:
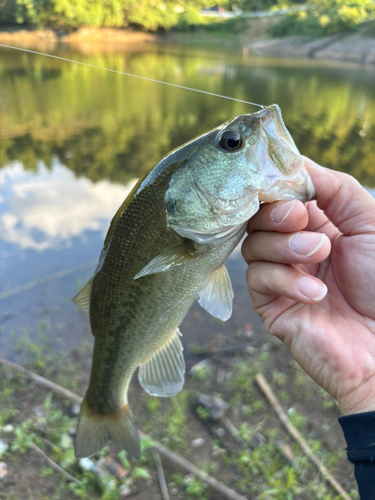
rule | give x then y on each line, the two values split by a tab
250	159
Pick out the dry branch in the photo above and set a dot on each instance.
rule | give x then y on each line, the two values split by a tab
188	466
47	279
170	455
54	465
43	381
161	477
234	433
293	431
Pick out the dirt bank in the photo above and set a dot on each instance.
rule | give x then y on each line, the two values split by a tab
110	36
350	48
252	36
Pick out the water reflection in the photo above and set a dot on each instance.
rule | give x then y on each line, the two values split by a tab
44	209
73	139
105	125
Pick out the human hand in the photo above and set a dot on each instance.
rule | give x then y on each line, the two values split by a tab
295	252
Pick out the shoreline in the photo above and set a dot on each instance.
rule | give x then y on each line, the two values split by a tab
344	48
110	36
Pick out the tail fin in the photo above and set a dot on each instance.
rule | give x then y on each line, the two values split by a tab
94	432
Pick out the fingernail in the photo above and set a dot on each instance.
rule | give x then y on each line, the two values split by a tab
281	211
314	290
306	244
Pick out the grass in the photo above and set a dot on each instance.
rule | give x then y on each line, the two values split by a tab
260	470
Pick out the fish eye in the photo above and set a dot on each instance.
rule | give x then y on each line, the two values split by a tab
231	140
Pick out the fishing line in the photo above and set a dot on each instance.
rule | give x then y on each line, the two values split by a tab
129	74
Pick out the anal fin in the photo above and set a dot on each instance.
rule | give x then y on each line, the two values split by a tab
83	298
163	374
217	294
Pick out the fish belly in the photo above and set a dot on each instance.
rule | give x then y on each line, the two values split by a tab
145	320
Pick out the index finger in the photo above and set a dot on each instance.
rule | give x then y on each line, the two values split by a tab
284	217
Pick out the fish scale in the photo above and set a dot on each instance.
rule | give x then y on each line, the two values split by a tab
166	247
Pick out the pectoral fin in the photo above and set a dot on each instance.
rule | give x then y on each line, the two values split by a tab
83	298
217	294
163	373
176	256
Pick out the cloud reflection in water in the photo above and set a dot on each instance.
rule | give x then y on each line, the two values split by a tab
43	210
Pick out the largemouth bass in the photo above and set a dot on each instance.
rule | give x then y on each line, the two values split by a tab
166	246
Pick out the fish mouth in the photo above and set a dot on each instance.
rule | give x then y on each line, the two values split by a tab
292	180
301	188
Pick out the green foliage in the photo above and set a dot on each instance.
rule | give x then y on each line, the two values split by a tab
140	473
153	15
45	472
153	405
196	488
146	444
150	15
35	12
297	419
8	11
202	413
23	437
7	388
252	5
326	17
174	421
93	13
202	371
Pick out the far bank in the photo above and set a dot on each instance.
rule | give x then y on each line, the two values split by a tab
251	36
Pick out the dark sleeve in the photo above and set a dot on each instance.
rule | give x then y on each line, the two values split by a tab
359	431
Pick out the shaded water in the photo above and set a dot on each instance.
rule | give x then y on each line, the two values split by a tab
73	140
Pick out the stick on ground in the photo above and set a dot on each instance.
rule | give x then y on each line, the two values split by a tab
169	454
294	432
160	471
54	465
43	381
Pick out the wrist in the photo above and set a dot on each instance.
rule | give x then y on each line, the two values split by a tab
352	407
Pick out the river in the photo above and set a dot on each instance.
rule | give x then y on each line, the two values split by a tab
73	140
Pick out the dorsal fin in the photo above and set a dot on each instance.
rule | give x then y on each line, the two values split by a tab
217	294
83	298
163	373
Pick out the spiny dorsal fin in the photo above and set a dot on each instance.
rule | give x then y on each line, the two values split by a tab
163	373
83	298
217	294
170	258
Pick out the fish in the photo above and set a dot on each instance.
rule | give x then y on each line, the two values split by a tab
166	247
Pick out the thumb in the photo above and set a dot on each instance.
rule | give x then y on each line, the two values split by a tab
343	200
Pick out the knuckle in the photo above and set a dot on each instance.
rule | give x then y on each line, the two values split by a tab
252	272
261	275
349	183
244	248
347	178
248	248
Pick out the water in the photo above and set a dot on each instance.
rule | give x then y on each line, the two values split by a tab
74	139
